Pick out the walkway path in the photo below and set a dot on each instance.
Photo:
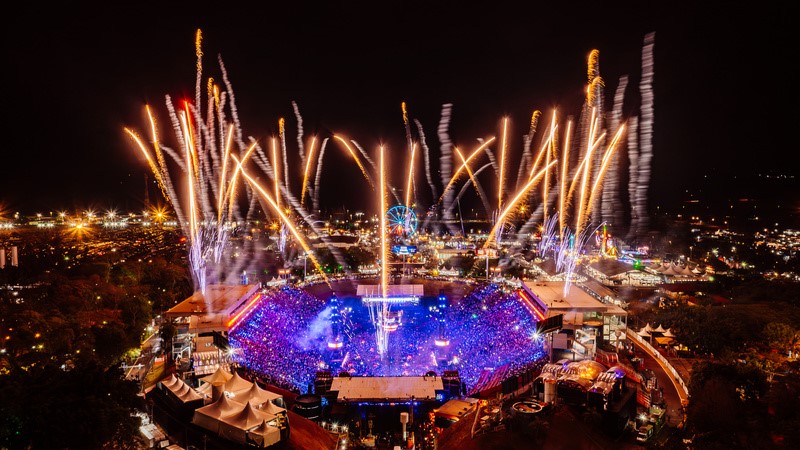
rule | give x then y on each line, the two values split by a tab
674	395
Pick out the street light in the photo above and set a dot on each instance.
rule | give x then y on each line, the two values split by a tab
305	264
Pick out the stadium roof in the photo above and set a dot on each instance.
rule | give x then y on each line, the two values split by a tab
217	300
551	293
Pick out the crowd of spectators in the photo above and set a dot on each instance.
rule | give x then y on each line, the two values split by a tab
284	339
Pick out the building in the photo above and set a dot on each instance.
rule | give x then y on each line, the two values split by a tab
215	310
587	322
612	272
203	321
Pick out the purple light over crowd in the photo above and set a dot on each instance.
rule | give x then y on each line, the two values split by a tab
285	338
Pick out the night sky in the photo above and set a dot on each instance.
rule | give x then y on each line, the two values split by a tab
76	75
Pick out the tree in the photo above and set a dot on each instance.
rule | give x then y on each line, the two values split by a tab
781	336
87	407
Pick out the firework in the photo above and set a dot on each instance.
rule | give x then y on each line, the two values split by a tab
305	172
355	157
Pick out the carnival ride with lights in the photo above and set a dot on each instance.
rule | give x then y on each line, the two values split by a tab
402	221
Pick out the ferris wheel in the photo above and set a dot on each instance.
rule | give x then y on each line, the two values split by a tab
401	221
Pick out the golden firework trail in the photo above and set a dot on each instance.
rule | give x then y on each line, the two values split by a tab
410	176
355	157
221	198
284	153
604	164
234	178
586	163
309	158
384	252
284	218
192	172
162	164
513	202
563	201
146	154
546	184
545	147
592	144
502	164
469	172
463	166
275	164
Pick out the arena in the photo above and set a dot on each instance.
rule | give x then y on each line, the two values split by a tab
291	334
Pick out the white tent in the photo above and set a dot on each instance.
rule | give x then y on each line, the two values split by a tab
660	329
644	333
272	408
181	390
668	333
647	328
208	416
170	381
235	426
237	383
671	271
265	435
255	395
220	376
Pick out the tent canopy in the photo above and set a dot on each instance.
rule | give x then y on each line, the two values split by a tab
220	376
237	383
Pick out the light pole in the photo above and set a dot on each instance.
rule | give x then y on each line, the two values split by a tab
305	263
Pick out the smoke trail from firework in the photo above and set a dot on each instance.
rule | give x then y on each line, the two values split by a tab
608	156
222	178
481	192
549	235
464	165
300	147
611	210
424	146
514	201
364	154
282	135
445	161
473	179
319	173
252	182
355	157
646	136
633	173
527	141
569	253
305	173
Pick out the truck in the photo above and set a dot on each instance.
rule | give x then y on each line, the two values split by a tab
656	418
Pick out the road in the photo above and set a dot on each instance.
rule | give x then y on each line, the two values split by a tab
673	393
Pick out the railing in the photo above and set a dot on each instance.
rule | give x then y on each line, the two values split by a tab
664	362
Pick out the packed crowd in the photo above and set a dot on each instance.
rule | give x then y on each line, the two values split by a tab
267	340
284	339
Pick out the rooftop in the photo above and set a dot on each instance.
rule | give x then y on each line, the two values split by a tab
217	300
551	293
